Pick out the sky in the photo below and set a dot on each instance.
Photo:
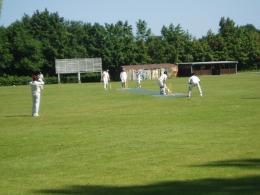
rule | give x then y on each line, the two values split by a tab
196	17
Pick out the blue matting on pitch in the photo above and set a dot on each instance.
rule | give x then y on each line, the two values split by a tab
152	92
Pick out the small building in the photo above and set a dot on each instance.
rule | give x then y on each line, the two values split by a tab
207	68
150	71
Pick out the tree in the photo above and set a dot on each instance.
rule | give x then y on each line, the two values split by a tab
249	48
119	44
77	36
142	35
26	51
156	50
178	42
6	56
201	51
227	27
142	32
51	30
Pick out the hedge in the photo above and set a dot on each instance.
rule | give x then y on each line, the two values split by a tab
9	80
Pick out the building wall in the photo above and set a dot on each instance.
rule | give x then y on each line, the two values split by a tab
151	74
227	71
206	69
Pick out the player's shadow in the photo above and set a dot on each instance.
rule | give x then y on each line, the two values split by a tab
243	185
250	98
18	116
231	186
238	163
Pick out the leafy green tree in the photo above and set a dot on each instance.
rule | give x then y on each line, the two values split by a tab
119	44
226	27
142	35
6	56
96	41
239	43
26	51
178	41
201	51
77	36
51	30
143	32
156	50
248	48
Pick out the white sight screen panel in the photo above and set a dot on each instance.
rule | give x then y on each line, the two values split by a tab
66	66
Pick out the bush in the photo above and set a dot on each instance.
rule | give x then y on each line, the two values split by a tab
85	78
14	80
50	80
23	80
9	80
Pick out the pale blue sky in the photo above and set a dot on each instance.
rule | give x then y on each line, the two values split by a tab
194	16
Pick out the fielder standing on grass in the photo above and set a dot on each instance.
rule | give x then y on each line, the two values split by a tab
194	81
36	86
123	77
106	79
138	78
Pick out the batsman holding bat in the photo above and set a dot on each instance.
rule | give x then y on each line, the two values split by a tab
162	83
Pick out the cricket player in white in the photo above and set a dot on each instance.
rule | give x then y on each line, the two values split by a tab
36	86
138	79
106	79
162	83
123	77
194	81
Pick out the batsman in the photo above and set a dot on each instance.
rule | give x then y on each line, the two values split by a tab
162	83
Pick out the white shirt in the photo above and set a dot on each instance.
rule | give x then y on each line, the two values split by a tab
163	78
105	76
194	80
36	87
123	76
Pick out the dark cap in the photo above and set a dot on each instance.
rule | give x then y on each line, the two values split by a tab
34	77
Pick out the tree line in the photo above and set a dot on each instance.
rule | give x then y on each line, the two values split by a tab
33	43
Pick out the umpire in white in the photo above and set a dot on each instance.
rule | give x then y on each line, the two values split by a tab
36	86
106	79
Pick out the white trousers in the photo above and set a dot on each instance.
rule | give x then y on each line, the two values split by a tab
162	88
36	98
138	83
123	84
105	84
192	86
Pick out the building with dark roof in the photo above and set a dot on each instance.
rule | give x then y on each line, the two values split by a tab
207	68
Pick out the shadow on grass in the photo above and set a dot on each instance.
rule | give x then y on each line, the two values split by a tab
250	98
244	185
239	163
18	116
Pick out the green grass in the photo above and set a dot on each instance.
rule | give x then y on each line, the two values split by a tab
88	141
